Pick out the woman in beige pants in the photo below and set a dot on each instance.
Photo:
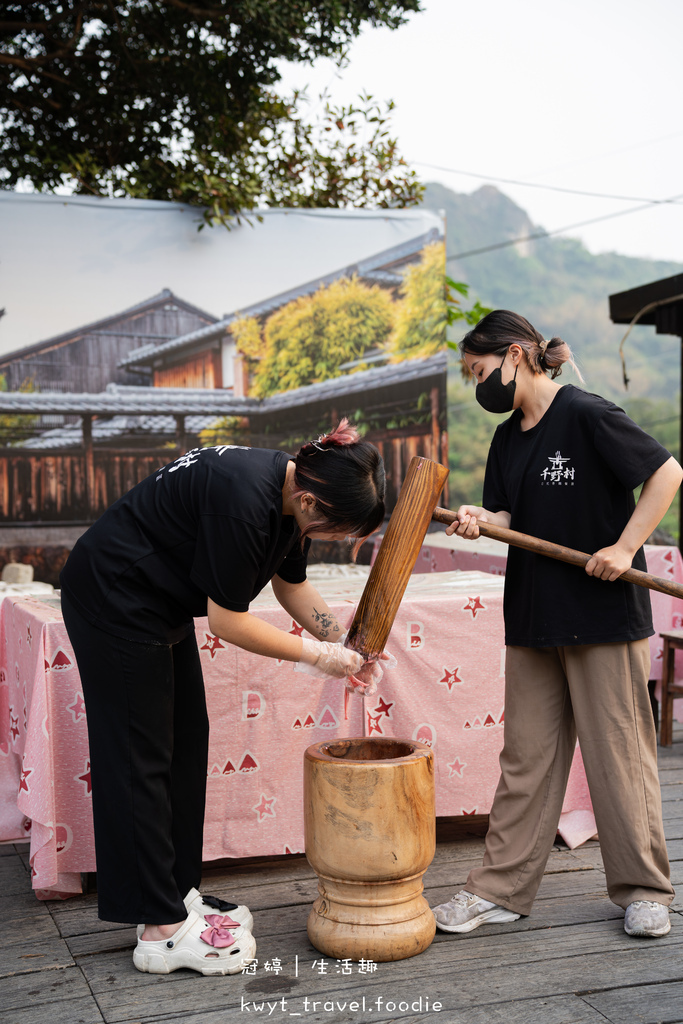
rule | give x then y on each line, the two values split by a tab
563	467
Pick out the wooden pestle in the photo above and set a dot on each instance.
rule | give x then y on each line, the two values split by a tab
562	554
396	557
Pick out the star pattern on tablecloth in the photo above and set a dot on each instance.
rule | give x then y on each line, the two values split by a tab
456	768
450	677
85	778
383	708
296	629
13	725
374	724
23	782
29	636
474	605
212	645
77	709
264	808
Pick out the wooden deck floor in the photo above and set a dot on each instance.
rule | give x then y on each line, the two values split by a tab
570	962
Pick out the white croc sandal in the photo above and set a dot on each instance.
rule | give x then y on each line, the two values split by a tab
210	947
204	905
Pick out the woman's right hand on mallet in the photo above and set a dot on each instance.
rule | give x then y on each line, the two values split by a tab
466	524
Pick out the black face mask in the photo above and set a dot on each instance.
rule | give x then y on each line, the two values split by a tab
493	395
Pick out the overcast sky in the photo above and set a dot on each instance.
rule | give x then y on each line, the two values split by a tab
576	94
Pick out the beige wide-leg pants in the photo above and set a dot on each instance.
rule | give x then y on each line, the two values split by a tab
552	694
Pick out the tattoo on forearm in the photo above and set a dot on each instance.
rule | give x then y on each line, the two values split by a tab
326	623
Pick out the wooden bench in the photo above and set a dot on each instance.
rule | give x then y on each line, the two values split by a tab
673	641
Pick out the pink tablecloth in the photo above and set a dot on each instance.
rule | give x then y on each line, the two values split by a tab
667	613
447	690
441	554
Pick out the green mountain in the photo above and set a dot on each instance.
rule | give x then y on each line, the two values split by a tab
562	288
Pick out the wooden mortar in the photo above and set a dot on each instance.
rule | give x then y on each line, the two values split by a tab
370	824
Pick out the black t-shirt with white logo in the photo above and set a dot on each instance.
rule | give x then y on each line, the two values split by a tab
570	479
208	524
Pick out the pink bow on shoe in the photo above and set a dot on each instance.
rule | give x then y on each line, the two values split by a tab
218	934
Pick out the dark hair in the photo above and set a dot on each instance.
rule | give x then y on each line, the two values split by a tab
502	328
346	477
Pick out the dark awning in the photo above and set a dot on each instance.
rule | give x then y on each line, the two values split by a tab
659	303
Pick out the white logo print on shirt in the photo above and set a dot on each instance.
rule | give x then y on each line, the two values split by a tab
189	458
558	472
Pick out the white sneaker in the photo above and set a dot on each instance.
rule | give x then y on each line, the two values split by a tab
465	912
647	918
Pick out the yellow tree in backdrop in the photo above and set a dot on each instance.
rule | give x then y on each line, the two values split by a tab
421	315
308	340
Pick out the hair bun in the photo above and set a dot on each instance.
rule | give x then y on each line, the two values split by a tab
342	435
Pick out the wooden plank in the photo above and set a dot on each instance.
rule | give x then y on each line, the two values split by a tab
66	1011
89	943
477	951
320	1016
673	755
14	877
480	980
31	992
263	870
589	854
573	942
677	873
674	792
29	957
23	918
673	829
671	809
271	885
8	850
569	883
562	1010
279	907
82	920
648	1004
675	848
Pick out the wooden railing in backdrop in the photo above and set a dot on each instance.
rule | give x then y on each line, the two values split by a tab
77	485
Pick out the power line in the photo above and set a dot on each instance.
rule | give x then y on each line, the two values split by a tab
556	231
641	144
549	188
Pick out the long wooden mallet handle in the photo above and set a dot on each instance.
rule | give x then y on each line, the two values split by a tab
396	557
546	547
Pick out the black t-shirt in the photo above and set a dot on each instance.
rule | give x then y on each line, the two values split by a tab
570	480
208	524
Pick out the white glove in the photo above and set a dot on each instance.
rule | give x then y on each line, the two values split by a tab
327	659
364	682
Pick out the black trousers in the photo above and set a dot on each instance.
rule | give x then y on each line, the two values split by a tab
149	736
